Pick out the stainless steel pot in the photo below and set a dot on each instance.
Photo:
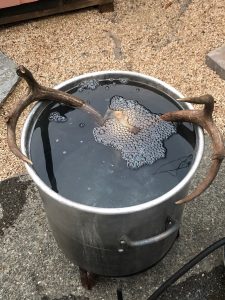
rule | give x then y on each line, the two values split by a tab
114	241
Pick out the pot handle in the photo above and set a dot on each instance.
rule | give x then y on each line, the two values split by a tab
204	119
171	227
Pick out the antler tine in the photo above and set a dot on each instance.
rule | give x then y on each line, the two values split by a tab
204	119
11	128
207	100
212	172
15	113
204	99
27	75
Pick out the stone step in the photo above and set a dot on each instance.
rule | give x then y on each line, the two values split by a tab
216	61
8	77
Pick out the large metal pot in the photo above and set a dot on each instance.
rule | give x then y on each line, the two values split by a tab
114	241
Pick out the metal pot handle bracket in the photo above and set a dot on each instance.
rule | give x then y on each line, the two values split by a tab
202	118
171	227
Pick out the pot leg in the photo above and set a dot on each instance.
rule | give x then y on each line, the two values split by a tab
224	256
87	279
119	294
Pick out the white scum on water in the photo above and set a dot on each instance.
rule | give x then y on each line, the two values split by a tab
138	149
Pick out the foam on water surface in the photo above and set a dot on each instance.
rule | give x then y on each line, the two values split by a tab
135	131
56	117
90	84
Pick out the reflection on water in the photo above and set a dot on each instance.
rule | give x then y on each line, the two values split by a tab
175	165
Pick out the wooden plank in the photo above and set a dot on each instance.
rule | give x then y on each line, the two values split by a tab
9	3
45	8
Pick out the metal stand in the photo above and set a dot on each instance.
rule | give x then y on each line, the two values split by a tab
87	279
224	256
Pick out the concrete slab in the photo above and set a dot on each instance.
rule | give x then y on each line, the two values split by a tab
8	77
216	61
33	267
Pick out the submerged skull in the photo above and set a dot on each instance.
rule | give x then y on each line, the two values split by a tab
135	131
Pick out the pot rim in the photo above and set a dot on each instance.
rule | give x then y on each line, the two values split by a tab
123	210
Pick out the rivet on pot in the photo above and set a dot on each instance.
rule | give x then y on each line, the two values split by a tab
122	244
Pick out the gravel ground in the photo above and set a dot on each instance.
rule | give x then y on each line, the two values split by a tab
166	41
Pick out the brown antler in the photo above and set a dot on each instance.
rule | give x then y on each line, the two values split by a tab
38	92
204	119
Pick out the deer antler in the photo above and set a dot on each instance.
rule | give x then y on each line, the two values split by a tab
38	92
204	119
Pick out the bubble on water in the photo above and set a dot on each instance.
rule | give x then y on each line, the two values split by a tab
123	80
56	117
81	125
90	84
101	131
57	140
89	188
138	148
107	87
137	89
81	142
64	152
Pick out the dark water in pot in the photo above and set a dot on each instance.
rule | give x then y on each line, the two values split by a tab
68	159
